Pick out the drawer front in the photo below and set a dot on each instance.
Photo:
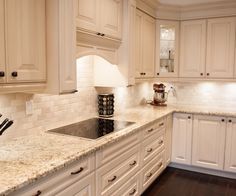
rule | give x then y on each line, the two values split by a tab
153	128
54	183
130	188
152	146
152	170
112	151
115	173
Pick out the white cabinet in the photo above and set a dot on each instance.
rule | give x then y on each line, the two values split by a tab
84	187
167	48
145	45
230	150
193	49
208	141
168	138
182	138
2	43
25	29
220	47
102	17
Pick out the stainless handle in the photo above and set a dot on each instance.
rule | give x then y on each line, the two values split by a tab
150	130
77	172
149	175
38	193
149	150
111	180
133	164
132	193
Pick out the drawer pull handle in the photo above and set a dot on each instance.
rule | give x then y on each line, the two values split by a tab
38	193
133	164
161	124
111	180
160	142
132	193
77	172
150	130
160	164
149	150
149	175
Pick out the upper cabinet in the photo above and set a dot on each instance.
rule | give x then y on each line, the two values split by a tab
193	48
220	47
22	41
145	45
167	44
100	17
2	44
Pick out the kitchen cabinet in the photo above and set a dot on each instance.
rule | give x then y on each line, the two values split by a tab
208	141
193	49
61	46
168	138
167	46
230	155
182	138
25	41
102	18
2	44
145	45
221	34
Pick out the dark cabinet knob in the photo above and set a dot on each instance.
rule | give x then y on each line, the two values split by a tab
141	74
144	73
14	74
201	74
102	34
158	74
208	74
38	193
98	33
189	117
2	74
230	121
223	120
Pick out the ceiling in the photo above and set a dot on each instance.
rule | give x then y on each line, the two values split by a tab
188	2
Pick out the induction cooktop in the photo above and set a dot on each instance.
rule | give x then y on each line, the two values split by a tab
92	128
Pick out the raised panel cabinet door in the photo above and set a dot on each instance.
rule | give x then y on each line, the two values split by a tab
87	16
230	151
148	45
25	41
2	43
182	138
193	48
84	187
209	141
138	41
220	47
111	18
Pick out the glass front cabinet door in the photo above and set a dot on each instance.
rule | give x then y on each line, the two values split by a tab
167	48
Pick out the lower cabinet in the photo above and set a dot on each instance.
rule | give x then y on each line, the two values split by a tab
208	141
230	154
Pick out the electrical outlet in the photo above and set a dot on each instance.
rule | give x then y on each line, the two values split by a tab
29	107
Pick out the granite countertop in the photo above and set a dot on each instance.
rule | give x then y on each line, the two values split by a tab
24	160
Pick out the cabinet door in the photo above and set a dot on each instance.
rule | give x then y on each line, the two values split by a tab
84	187
111	18
168	138
193	48
208	141
230	151
138	41
25	40
2	43
182	139
220	48
148	45
87	17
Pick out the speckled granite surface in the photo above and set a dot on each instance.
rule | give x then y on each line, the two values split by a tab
26	159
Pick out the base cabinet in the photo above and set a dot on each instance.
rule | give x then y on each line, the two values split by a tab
230	154
209	141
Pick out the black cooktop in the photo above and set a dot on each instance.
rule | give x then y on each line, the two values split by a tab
92	128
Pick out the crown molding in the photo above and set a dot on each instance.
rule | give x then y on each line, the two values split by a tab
197	11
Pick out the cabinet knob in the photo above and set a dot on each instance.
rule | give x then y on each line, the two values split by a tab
38	193
141	74
2	74
223	120
14	74
158	74
189	117
208	74
201	74
102	34
144	73
111	180
149	150
133	164
98	33
77	172
230	121
132	193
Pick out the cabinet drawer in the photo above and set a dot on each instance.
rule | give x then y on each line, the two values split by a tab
117	172
112	151
152	170
130	188
54	183
153	128
152	146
